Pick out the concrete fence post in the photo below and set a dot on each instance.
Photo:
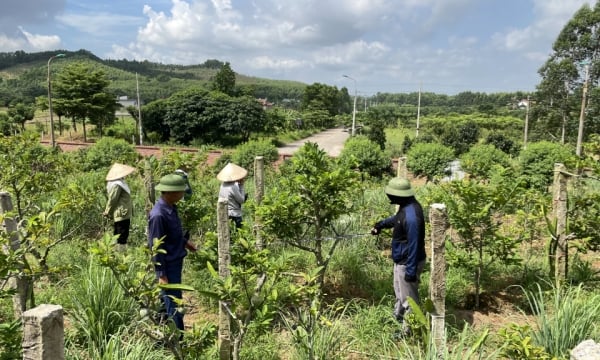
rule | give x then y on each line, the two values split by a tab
16	281
559	205
437	286
224	241
43	333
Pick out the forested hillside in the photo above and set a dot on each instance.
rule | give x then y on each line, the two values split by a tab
23	77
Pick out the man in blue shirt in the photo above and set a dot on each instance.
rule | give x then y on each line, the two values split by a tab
408	244
164	223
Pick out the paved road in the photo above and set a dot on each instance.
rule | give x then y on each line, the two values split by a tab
331	141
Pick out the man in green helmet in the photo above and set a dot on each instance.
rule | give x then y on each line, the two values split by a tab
408	245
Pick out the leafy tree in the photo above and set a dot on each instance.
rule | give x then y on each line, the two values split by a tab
576	45
6	126
154	115
460	137
302	207
81	93
365	155
29	170
474	211
324	97
429	159
106	152
537	162
225	80
480	160
21	113
501	143
244	154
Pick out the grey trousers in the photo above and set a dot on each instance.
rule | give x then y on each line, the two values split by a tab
404	289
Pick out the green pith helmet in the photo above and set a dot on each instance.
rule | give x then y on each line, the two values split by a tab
399	187
171	183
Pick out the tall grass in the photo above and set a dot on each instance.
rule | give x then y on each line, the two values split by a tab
102	308
565	316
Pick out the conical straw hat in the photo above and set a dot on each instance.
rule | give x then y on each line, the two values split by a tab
232	172
118	171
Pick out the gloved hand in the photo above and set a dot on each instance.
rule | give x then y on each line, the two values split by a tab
410	278
374	231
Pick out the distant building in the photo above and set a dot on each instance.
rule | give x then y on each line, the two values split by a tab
265	104
125	102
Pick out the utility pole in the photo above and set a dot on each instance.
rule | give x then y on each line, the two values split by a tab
526	124
354	109
582	113
137	85
418	110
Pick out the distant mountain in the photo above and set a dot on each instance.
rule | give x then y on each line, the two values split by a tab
23	77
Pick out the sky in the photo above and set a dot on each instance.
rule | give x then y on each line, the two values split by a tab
367	46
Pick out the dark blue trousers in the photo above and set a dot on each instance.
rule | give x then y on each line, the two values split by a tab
173	272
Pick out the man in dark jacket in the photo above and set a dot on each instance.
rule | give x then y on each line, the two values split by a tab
164	223
408	244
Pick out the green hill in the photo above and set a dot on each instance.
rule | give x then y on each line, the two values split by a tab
23	77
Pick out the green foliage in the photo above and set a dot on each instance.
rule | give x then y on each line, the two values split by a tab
361	153
565	316
244	154
318	334
81	93
481	159
225	80
324	97
29	170
6	126
101	311
105	152
460	137
563	75
250	291
502	143
474	211
20	113
429	160
303	205
537	162
583	214
212	117
10	340
518	344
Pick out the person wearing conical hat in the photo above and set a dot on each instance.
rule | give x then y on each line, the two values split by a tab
408	245
119	206
164	223
232	178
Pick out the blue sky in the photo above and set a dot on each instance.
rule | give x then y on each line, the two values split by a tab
442	46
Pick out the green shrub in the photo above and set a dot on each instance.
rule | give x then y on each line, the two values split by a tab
537	162
480	160
103	309
502	143
105	152
565	316
362	153
429	159
244	154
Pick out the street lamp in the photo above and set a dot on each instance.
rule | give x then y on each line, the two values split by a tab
50	100
354	109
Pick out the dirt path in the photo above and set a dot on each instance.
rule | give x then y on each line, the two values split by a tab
331	141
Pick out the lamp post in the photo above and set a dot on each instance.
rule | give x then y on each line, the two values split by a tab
50	100
354	109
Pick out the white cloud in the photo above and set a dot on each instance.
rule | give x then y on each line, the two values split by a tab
27	41
550	17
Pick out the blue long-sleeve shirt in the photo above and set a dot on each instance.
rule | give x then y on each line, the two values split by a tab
164	221
408	236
